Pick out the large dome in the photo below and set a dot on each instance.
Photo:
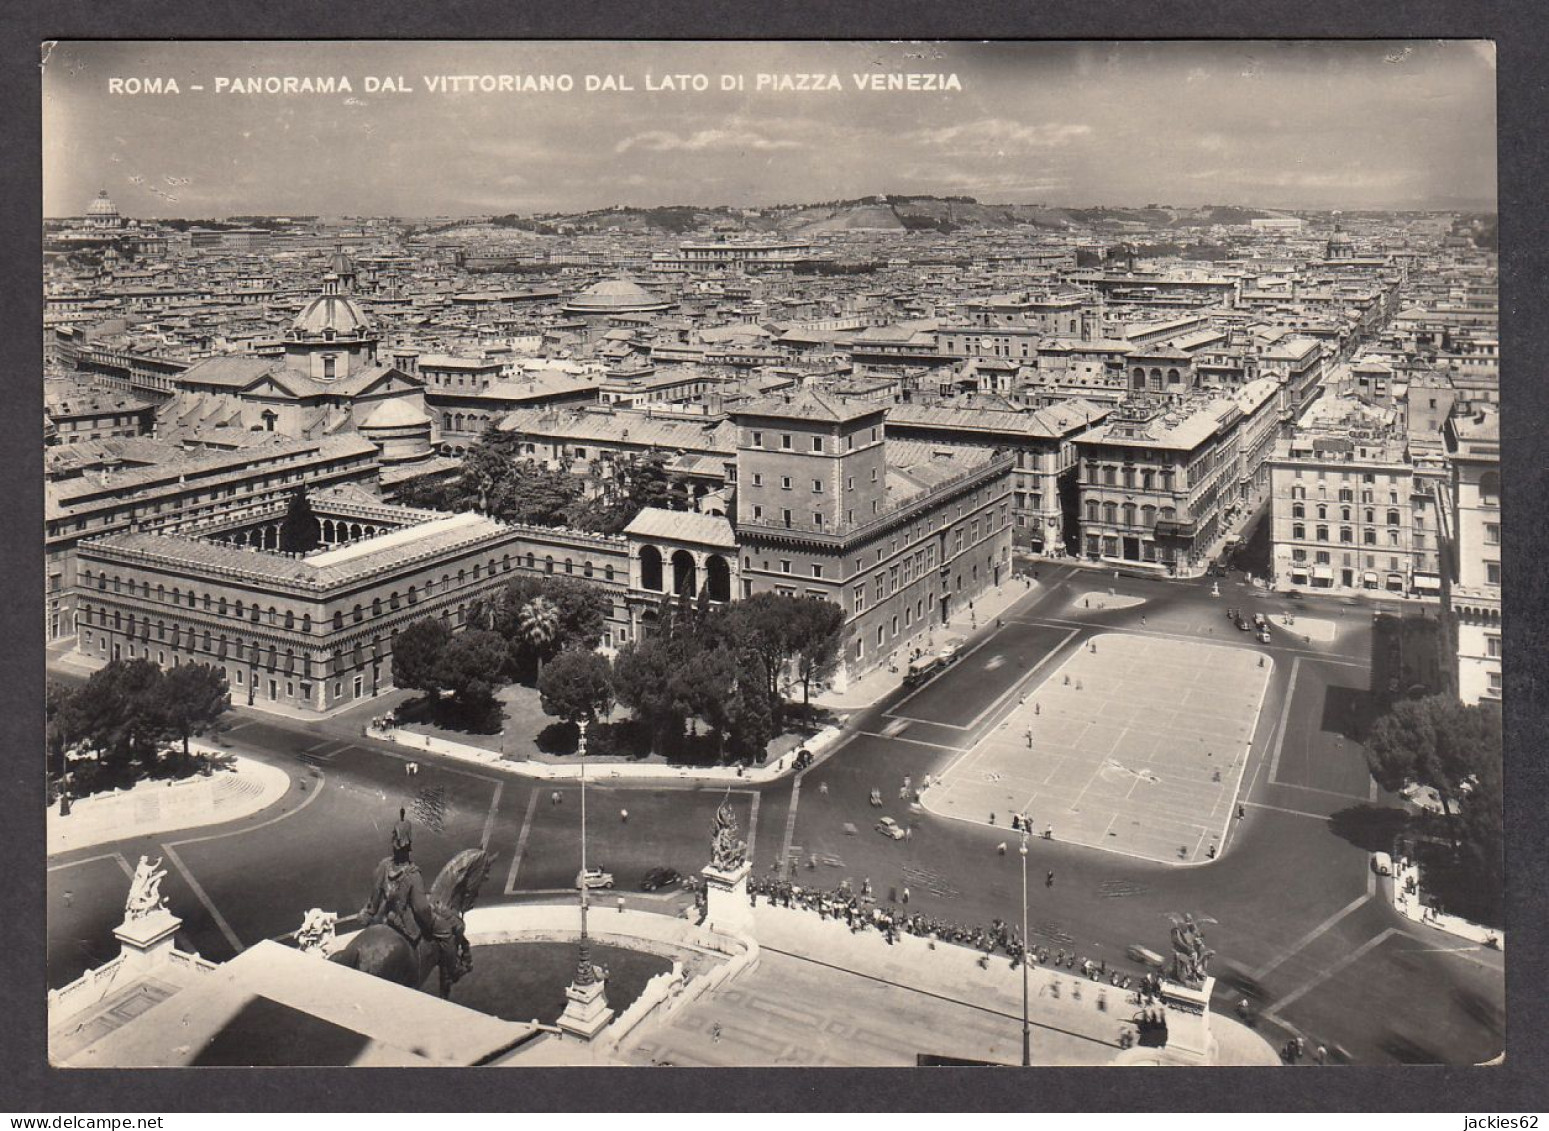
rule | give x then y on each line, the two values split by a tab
615	296
331	312
395	414
102	207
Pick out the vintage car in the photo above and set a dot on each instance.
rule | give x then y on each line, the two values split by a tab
594	878
890	828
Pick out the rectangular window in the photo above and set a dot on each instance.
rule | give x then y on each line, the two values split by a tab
817	443
1492	572
817	571
785	566
859	597
786	517
785	482
817	486
785	442
1492	534
1495	681
758	439
758	512
1492	647
758	479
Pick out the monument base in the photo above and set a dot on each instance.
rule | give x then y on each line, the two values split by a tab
147	941
1188	1019
726	899
586	1011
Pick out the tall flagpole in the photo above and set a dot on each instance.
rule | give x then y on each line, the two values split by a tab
585	973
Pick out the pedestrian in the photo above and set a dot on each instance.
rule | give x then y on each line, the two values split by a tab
554	798
715	1032
1241	812
1078	682
1048	881
1322	1055
624	816
992	818
1037	709
1142	622
1001	848
905	895
1029	738
1048	834
621	905
823	788
866	888
908	832
903	793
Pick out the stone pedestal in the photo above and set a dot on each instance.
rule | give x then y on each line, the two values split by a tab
586	1010
147	941
1188	1020
726	899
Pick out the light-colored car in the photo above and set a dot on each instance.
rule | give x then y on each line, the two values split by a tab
1382	863
594	878
949	651
1264	635
890	828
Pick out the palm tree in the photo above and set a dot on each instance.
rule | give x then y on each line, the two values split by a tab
538	622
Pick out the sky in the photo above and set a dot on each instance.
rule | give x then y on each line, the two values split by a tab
1331	124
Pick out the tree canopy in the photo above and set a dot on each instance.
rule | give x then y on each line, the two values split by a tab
577	686
300	532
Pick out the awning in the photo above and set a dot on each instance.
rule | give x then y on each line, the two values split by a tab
1371	577
1427	581
1323	573
1298	571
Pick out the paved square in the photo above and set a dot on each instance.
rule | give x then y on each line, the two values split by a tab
1138	746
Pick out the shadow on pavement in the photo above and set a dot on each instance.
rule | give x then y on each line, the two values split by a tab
1373	828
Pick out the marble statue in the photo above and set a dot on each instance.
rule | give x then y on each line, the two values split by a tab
145	898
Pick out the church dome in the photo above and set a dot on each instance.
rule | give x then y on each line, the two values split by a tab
395	414
615	296
331	312
102	208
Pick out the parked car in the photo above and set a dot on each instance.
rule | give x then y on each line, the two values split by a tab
949	651
921	669
660	878
890	828
1382	863
594	878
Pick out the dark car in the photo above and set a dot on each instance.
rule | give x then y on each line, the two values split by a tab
1294	594
660	878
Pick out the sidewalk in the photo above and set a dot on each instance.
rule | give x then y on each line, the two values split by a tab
414	742
154	807
971	626
1409	905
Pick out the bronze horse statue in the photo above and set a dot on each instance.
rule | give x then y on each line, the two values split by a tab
380	950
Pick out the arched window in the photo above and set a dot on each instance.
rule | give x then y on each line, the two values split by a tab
338	619
1110	513
413	596
505	563
532	561
685	575
569	566
1298	510
607	573
548	565
290	619
462	577
306	622
359	613
1148	516
376	606
241	610
392	600
651	568
586	569
222	607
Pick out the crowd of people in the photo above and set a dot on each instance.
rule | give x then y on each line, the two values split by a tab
861	911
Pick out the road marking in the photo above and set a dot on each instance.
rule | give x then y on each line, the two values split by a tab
119	856
1310	936
1354	956
790	827
1223	640
1281	809
1285	714
489	819
896	727
521	843
914	741
209	904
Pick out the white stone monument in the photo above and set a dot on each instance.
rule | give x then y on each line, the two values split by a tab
146	934
726	878
1188	1020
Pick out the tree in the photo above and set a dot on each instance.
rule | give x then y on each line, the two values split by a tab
751	721
118	713
538	624
471	665
577	686
300	532
816	632
58	707
642	678
193	699
418	652
1438	742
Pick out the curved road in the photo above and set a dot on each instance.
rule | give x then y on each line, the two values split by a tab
1305	929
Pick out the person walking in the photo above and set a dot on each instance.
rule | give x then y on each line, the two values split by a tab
823	788
554	798
624	816
905	895
1048	881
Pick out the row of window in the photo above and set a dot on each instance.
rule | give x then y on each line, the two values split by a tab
1299	510
1145	478
1347	535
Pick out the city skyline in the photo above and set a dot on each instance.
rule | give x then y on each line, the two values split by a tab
1256	124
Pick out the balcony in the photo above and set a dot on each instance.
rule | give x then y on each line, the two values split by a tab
1176	528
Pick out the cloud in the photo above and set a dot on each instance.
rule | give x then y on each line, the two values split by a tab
663	141
999	134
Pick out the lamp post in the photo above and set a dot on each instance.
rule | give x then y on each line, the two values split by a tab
1027	1034
586	973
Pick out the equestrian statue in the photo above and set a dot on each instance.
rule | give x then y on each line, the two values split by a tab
408	932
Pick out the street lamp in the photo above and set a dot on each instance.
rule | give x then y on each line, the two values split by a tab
1027	1034
586	973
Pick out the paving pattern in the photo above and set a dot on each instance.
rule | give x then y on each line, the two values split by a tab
1135	744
